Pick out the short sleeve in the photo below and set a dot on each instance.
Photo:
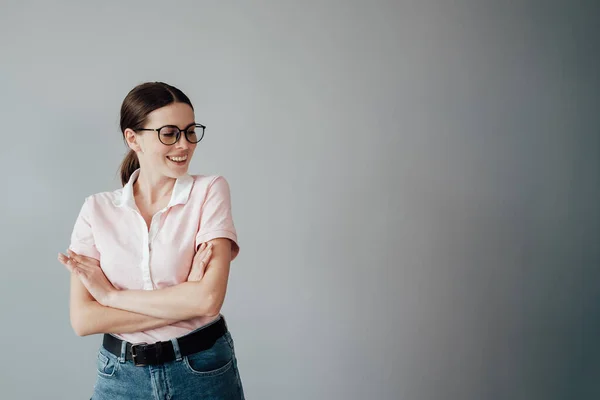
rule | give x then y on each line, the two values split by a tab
82	238
216	219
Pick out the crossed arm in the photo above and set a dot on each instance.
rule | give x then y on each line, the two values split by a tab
96	307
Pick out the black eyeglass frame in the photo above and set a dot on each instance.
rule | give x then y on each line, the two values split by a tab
178	134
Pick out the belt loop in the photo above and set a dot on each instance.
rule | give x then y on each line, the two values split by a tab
176	349
123	351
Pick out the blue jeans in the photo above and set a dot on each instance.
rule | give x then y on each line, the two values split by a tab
210	374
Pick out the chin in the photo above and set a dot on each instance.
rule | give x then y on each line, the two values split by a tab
176	172
180	173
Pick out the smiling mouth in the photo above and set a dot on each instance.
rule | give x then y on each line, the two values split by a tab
178	160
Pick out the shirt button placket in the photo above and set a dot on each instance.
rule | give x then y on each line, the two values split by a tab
145	264
151	234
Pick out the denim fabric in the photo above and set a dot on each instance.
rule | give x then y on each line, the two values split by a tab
211	374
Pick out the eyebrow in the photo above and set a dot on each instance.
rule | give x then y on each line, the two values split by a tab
186	127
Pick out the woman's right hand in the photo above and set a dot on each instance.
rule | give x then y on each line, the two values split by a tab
201	260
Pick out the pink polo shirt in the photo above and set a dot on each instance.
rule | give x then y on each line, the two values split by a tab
111	229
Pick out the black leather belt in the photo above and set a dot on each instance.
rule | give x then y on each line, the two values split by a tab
160	352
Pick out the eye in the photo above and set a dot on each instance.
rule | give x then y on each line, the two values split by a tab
168	130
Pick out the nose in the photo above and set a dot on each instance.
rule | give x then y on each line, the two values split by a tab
182	143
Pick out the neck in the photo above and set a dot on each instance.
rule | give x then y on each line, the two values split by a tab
152	189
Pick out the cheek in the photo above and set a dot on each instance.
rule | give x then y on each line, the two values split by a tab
161	153
153	148
158	151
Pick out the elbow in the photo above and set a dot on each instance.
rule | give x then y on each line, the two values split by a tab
80	328
80	324
211	306
213	312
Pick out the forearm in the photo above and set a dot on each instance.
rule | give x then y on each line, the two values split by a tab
186	300
180	302
93	318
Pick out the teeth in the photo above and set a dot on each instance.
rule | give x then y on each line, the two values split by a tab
178	159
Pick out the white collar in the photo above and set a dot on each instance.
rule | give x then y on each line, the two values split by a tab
179	195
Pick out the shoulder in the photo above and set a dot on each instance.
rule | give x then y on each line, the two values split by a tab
103	199
206	183
208	179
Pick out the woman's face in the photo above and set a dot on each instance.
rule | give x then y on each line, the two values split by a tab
156	157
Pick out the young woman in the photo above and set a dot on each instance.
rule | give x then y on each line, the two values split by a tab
150	262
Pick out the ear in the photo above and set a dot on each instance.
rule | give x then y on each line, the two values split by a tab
132	140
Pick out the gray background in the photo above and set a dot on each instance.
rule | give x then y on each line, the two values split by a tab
415	186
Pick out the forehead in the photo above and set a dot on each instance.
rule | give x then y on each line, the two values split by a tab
178	114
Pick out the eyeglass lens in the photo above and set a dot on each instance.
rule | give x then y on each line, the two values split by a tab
170	135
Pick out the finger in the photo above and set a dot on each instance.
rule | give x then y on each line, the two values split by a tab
63	260
74	256
201	248
84	264
205	246
85	269
89	260
92	262
66	261
78	257
195	276
72	267
199	256
71	253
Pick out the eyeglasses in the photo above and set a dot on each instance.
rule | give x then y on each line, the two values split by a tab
170	134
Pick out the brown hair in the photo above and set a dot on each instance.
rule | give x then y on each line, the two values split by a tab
139	102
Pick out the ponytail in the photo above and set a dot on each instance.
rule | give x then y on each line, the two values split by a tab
129	164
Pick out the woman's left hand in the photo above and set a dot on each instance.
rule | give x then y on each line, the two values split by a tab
90	273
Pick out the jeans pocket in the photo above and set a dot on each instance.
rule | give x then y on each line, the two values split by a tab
106	364
211	362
